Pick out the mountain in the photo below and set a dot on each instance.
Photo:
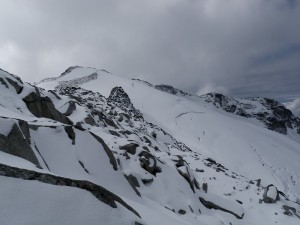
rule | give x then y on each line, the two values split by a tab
89	147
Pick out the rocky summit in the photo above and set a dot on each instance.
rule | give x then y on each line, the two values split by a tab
89	147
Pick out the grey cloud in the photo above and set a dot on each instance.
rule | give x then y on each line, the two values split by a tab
248	47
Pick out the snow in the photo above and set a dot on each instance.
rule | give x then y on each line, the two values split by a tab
272	192
238	143
243	150
32	202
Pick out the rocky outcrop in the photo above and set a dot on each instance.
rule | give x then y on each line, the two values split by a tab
171	90
99	192
290	211
185	171
17	142
270	112
271	194
211	205
149	163
16	84
134	183
120	98
44	107
130	148
71	108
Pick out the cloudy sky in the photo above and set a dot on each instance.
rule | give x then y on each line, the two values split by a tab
237	47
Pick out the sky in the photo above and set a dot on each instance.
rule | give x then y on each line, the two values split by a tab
236	47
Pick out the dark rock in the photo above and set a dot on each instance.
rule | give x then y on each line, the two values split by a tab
290	211
146	148
180	162
240	202
17	143
258	181
134	183
171	90
16	85
89	120
110	122
276	125
196	183
3	82
71	134
204	187
120	98
211	205
109	153
115	133
153	134
54	93
82	165
181	211
99	192
125	132
44	107
199	170
187	177
130	148
71	108
149	163
137	223
147	181
32	97
147	140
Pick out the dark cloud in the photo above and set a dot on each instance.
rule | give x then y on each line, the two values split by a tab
249	47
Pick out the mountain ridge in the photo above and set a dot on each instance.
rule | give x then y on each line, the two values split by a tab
128	138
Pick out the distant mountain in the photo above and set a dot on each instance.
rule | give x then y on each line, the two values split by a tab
88	147
294	106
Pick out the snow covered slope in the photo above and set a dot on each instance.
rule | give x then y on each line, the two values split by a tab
122	151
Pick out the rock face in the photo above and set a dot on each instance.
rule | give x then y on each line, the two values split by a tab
185	171
291	211
270	112
17	143
171	90
44	107
149	163
120	98
130	148
271	194
134	183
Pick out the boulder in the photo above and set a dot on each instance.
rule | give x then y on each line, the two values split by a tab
271	194
205	187
149	163
130	148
